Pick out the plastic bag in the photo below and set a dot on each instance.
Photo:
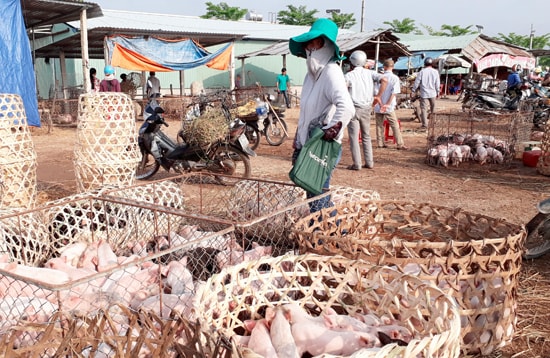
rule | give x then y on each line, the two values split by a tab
315	162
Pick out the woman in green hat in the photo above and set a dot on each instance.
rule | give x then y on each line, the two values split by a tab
325	101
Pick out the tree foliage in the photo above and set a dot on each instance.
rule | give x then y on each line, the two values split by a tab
222	11
451	30
525	40
344	21
405	26
296	16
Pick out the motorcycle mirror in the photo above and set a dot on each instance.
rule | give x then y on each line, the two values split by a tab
544	206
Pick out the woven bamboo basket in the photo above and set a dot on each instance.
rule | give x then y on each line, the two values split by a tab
316	283
543	165
118	307
17	155
106	149
474	258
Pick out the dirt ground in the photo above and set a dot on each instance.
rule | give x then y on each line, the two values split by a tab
510	193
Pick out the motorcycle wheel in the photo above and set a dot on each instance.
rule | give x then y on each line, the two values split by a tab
274	132
147	167
253	136
235	163
537	242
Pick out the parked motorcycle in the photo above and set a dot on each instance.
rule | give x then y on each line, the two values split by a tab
228	156
487	100
274	127
538	232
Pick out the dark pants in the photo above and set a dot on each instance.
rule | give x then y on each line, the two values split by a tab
285	95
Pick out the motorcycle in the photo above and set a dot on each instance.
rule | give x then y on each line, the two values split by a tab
537	242
274	127
487	100
228	157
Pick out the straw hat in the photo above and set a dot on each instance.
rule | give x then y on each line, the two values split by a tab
322	27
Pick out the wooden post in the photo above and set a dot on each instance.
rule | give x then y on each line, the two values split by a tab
87	86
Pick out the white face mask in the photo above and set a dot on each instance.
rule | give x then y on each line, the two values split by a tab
317	59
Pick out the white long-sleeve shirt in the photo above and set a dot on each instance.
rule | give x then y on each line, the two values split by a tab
428	81
325	101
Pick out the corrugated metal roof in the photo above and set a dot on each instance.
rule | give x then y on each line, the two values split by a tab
348	42
48	12
485	45
472	47
257	30
435	43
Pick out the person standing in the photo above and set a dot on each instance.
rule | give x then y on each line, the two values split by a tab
360	82
385	110
325	101
428	82
109	83
94	80
514	81
283	85
153	85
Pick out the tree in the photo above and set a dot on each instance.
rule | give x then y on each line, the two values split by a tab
222	11
524	40
296	16
405	26
344	21
450	30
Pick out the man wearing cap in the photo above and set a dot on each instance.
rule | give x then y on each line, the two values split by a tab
360	83
325	101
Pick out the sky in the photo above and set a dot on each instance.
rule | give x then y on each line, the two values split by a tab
496	16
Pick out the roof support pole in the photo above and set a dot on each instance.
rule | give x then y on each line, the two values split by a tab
182	83
243	75
63	65
232	69
87	86
377	53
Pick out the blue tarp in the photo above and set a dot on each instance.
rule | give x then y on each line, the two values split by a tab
417	59
170	54
17	75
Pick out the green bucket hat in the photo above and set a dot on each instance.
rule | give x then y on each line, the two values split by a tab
322	27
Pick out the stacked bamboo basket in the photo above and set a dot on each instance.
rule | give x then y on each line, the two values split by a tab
474	258
17	155
106	150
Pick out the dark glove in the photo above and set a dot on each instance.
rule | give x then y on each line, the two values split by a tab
295	155
332	132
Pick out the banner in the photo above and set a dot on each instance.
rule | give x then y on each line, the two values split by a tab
505	60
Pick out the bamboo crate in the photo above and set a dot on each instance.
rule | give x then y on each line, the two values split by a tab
106	149
316	283
127	304
262	211
17	155
474	258
502	131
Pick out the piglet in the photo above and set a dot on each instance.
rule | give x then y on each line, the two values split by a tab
260	340
315	338
281	333
178	277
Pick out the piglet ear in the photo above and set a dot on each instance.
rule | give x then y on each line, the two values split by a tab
330	320
249	324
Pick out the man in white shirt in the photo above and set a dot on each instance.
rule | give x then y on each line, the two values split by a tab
428	82
360	83
153	86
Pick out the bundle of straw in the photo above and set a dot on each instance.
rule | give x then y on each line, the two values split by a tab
209	127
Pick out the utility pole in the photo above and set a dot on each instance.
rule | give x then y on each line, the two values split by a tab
531	37
362	15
